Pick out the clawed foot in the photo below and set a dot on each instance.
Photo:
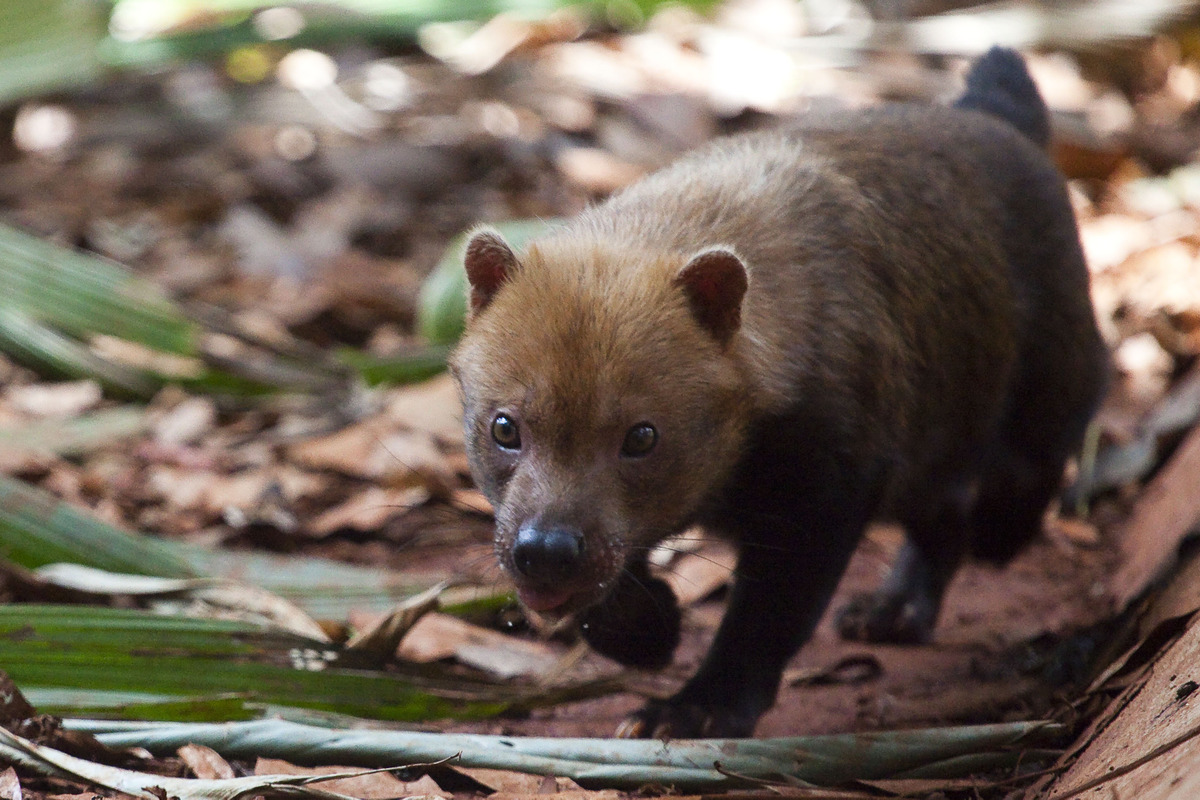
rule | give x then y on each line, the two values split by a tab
668	719
887	618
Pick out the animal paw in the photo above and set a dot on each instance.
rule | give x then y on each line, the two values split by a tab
670	719
888	618
637	625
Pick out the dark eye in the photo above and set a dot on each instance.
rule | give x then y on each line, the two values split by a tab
639	440
505	432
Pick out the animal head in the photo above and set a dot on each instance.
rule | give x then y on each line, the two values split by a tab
603	402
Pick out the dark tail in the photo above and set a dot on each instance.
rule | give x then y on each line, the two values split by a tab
998	84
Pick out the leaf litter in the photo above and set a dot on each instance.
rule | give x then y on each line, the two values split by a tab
307	250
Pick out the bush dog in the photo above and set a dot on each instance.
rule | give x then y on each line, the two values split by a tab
874	314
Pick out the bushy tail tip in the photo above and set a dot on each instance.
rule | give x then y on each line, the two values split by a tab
1000	85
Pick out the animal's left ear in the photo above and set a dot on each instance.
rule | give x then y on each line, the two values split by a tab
715	282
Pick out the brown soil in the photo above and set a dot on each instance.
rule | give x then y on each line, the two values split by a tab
1003	646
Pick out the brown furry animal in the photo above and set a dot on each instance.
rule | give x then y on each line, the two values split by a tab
783	336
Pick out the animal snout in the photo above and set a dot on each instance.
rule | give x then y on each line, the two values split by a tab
548	555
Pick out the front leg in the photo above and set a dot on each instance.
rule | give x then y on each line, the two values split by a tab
784	582
638	623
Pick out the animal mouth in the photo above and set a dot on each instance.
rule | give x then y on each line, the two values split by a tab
545	600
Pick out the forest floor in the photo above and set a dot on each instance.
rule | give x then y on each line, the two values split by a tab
315	215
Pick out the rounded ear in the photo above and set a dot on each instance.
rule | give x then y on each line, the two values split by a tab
715	282
488	261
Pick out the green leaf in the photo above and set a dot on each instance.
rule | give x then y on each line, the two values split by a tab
82	295
57	356
108	650
442	303
48	45
36	528
404	368
56	299
77	435
142	705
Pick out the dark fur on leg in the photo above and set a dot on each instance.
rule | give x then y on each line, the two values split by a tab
637	624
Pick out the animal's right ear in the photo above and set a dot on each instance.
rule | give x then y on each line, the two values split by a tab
714	281
488	261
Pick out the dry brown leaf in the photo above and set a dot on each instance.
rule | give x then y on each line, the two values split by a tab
186	423
1078	532
242	491
471	500
1145	368
374	786
136	355
1162	278
411	458
484	48
215	493
1150	748
438	636
205	763
368	510
432	406
373	451
694	576
499	780
380	638
594	68
350	451
518	784
14	461
10	785
55	400
1110	239
563	793
180	488
233	600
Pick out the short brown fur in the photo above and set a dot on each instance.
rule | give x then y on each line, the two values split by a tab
915	342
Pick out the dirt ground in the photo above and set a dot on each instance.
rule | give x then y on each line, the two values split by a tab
1009	645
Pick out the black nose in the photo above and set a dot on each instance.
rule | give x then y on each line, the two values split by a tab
548	555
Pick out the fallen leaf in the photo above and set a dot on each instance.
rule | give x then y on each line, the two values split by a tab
1151	743
204	762
193	597
367	510
381	638
55	400
350	451
1145	366
564	794
186	423
10	785
596	171
432	406
471	500
1078	532
373	786
410	458
438	636
697	575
